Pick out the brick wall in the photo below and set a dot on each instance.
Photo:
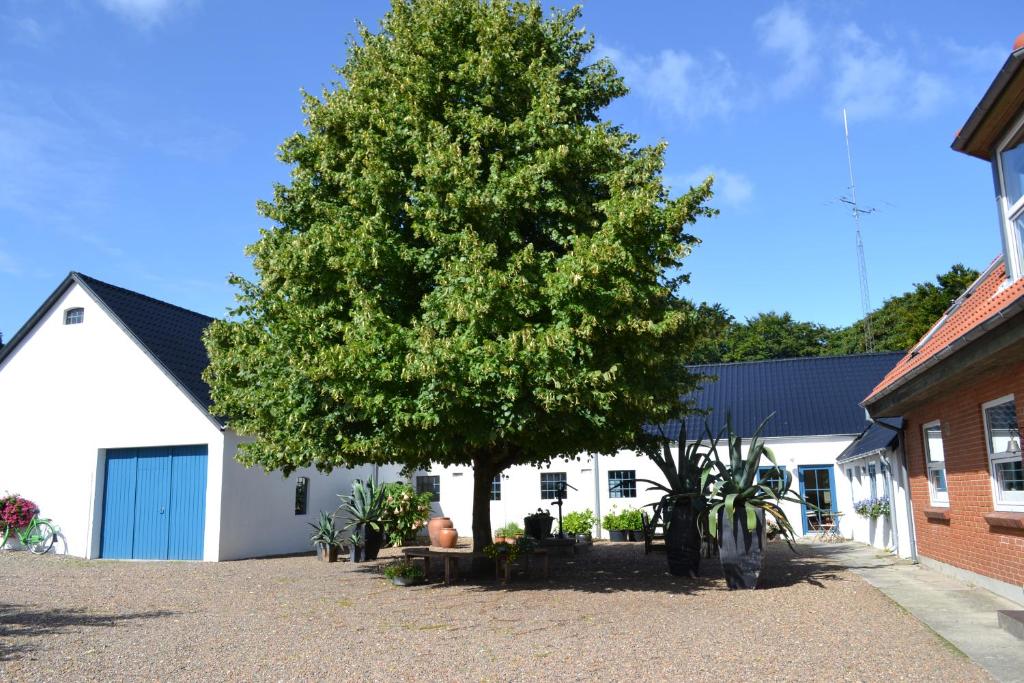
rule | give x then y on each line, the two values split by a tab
966	540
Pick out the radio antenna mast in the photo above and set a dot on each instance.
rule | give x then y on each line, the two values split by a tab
862	268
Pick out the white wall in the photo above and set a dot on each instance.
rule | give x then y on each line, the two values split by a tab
521	483
258	508
68	393
854	483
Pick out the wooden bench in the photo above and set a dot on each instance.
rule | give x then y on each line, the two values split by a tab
450	558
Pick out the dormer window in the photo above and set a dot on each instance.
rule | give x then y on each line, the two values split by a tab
1010	174
74	316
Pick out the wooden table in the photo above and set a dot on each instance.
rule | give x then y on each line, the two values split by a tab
451	556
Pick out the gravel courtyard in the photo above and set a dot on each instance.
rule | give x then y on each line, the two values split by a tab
609	614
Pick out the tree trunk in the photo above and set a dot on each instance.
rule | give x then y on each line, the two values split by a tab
483	475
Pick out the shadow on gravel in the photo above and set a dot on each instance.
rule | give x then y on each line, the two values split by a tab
21	624
617	567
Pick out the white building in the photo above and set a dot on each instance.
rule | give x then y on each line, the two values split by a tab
104	424
873	467
817	418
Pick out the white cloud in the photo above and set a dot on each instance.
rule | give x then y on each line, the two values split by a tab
986	58
787	32
144	13
875	81
734	189
679	84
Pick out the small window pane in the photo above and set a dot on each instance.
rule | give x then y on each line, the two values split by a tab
622	484
301	495
1013	169
496	488
1003	435
1010	478
74	316
773	477
933	443
429	484
938	478
871	480
550	483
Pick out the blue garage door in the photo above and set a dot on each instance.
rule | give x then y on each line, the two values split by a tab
154	505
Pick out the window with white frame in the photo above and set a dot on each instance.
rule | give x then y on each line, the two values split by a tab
872	475
1002	438
935	461
550	485
1010	171
74	316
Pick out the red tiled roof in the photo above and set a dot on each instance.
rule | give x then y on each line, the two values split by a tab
985	298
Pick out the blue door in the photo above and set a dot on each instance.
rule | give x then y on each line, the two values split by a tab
154	505
818	488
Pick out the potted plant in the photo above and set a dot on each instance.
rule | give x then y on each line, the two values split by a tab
631	521
684	500
355	548
538	524
404	573
364	509
326	538
739	502
612	523
580	525
508	533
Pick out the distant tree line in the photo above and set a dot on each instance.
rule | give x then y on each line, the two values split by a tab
895	326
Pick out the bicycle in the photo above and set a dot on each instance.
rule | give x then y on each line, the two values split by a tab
38	536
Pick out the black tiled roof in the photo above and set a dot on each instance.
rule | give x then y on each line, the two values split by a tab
883	433
809	396
171	334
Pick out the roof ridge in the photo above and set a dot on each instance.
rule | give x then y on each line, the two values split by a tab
796	358
89	279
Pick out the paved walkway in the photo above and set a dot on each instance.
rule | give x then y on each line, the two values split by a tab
962	614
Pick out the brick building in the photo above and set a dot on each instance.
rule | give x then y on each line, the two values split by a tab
960	390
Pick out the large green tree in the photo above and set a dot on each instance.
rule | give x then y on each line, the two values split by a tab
468	265
902	320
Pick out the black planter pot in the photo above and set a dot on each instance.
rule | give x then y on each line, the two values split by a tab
355	553
617	536
372	541
683	541
740	551
635	535
538	526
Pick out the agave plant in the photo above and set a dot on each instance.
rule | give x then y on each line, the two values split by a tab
364	509
736	488
688	479
325	532
365	506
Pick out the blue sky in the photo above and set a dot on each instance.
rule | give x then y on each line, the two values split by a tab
137	135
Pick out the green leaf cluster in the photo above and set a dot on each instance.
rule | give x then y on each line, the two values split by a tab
896	326
579	522
468	265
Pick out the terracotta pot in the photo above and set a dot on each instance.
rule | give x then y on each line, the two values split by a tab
446	538
435	525
499	539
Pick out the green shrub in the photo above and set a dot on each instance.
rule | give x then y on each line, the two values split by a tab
404	569
578	522
405	512
631	520
510	530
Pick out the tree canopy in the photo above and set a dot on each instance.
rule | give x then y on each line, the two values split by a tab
896	326
468	265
